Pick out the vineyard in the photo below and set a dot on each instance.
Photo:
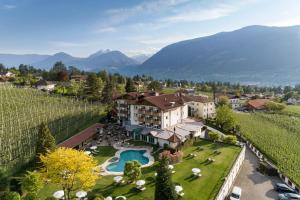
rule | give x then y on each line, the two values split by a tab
277	136
23	110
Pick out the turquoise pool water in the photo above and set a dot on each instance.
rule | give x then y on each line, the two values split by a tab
128	156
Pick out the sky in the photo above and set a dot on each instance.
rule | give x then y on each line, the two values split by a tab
82	27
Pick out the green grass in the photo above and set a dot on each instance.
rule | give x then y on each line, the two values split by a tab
292	110
203	188
169	90
23	110
277	136
209	94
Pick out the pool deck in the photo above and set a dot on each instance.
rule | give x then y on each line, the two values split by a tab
105	172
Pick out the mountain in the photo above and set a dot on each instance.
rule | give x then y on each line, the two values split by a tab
106	59
140	58
12	60
253	55
110	60
49	61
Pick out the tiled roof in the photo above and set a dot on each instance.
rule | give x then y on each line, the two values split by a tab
258	104
174	139
81	137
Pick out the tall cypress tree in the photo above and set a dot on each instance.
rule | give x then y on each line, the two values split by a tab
45	141
129	87
164	187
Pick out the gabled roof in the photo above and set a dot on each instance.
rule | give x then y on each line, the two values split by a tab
258	104
81	137
174	139
167	101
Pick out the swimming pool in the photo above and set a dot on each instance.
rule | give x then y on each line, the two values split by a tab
125	156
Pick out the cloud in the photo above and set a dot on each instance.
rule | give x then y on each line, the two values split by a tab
64	44
202	14
8	7
286	22
106	30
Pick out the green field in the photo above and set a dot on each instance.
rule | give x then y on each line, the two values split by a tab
203	188
277	136
23	110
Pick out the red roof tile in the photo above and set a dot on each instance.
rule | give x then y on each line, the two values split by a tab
258	104
81	137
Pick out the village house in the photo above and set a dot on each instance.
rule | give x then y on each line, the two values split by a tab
293	101
257	104
80	140
7	74
78	78
163	119
45	85
234	100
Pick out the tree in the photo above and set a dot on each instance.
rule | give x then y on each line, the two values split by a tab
31	196
2	68
230	139
129	87
155	86
71	169
164	187
223	100
11	196
58	71
4	182
273	106
107	93
225	118
45	142
132	170
32	183
214	136
94	87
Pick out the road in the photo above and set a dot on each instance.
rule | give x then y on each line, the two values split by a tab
255	186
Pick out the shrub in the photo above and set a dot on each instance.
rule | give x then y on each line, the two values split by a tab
214	136
172	157
273	106
11	196
50	198
30	196
230	139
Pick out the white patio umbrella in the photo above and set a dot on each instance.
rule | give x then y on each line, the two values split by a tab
108	198
93	147
81	194
140	183
59	194
118	179
87	152
196	170
178	188
170	167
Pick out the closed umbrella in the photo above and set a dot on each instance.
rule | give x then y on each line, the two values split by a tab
178	188
196	170
81	194
117	179
59	194
140	183
93	147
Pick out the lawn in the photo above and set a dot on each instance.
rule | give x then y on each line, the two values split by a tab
203	188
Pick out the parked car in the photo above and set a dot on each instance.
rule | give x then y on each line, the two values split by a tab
283	188
236	193
289	196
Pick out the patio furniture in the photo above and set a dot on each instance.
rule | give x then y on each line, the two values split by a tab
59	194
118	179
81	194
140	185
108	198
121	197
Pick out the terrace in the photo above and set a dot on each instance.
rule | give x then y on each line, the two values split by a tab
212	173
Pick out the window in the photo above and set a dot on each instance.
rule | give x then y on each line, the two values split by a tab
144	138
151	139
166	117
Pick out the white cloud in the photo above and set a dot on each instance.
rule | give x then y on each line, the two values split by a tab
64	44
106	30
8	6
202	14
286	22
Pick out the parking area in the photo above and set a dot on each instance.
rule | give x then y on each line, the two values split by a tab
255	186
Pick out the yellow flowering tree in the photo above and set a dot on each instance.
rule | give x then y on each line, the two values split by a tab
71	169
